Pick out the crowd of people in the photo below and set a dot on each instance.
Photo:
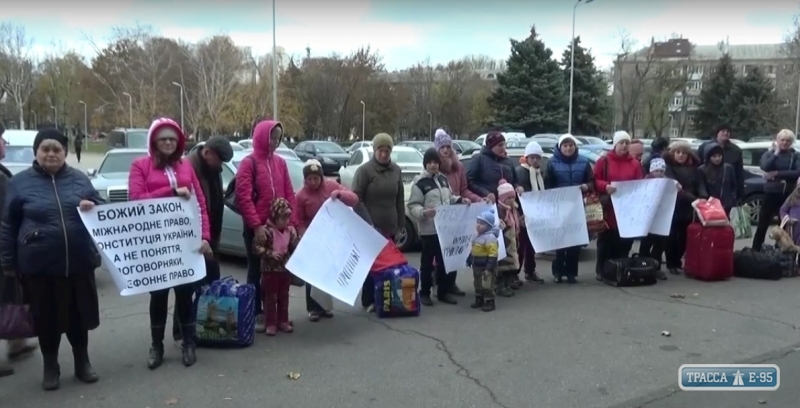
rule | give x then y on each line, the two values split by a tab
48	253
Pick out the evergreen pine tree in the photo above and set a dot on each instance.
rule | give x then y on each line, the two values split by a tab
589	95
530	95
754	105
714	107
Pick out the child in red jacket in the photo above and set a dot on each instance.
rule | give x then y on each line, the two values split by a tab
275	250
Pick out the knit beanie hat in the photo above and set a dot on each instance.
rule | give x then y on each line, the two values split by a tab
487	217
442	139
221	146
50	134
620	136
312	167
658	164
382	140
494	138
431	155
505	190
566	136
533	149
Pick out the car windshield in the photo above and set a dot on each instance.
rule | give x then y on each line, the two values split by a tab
118	162
237	147
403	156
19	154
329	148
137	140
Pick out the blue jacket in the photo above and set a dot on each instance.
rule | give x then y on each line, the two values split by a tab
42	232
563	171
487	169
787	166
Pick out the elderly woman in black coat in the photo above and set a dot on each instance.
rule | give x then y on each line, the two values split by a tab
46	244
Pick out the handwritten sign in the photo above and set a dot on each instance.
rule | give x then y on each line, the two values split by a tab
644	207
455	226
148	245
336	252
555	219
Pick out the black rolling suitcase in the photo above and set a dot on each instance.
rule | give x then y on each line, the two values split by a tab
633	271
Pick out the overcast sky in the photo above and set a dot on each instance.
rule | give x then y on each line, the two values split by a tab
407	31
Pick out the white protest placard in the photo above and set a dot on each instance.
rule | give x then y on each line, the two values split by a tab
455	226
555	219
149	245
336	252
644	207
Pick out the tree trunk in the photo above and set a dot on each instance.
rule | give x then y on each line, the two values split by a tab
21	117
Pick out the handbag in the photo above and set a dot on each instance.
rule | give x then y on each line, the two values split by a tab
16	321
230	191
594	214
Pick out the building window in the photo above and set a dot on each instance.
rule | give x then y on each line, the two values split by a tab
637	117
673	132
696	69
690	119
695	85
677	101
690	101
639	133
769	69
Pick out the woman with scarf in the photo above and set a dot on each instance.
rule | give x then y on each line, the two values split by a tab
531	178
567	168
165	173
491	165
378	184
261	177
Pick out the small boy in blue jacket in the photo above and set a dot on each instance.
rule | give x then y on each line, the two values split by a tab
483	257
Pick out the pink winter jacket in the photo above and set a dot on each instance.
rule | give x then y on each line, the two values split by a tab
146	181
458	182
308	201
271	178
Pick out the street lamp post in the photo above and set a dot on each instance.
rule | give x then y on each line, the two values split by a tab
572	62
430	125
85	118
180	86
55	111
363	119
274	66
130	109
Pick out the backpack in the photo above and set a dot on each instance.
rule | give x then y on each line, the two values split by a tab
230	191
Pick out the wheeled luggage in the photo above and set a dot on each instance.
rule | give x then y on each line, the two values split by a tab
633	271
225	314
709	252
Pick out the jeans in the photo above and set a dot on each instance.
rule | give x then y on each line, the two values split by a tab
566	262
431	261
770	206
676	244
253	268
611	246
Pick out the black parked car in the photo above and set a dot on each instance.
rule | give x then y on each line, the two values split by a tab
329	154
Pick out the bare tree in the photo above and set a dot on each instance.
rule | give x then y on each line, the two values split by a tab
660	91
218	65
421	80
452	103
483	62
16	66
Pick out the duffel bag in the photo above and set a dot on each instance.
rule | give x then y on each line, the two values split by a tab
751	264
787	260
225	314
633	271
396	291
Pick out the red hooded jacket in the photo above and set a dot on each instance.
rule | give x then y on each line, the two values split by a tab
265	171
612	167
308	201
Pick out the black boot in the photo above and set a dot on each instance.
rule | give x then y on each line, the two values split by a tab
83	368
478	303
52	372
157	348
188	347
488	305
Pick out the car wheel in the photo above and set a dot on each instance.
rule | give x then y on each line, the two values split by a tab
406	238
754	202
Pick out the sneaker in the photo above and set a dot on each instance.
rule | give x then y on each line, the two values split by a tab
426	300
533	277
261	326
516	284
558	279
313	316
271	330
326	314
285	327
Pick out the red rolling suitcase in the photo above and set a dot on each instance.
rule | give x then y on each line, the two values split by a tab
709	252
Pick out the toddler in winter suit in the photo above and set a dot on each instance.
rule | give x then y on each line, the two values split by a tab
280	243
508	268
483	257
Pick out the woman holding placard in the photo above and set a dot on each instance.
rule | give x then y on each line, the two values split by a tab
683	167
164	173
567	168
616	165
47	246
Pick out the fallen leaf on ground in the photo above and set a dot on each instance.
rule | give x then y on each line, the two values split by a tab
293	375
172	401
666	333
677	296
695	295
762	402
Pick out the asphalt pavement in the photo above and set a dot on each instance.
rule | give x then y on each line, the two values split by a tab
554	346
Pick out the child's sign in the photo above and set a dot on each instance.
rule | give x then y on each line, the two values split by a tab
555	219
455	227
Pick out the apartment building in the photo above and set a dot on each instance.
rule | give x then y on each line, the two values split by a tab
692	64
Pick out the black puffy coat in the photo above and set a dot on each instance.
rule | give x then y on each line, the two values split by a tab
689	177
42	232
